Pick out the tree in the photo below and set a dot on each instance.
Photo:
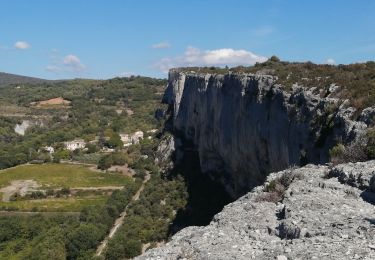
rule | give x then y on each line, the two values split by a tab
51	247
121	248
105	162
83	238
274	58
115	141
91	148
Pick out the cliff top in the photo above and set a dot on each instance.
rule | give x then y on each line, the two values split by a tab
357	81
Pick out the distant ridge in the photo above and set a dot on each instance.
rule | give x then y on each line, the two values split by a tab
7	78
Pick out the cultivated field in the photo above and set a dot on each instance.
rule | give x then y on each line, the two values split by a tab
61	175
56	187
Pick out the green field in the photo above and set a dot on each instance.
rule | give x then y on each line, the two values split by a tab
53	205
61	175
56	176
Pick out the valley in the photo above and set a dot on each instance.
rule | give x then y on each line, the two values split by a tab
74	157
114	173
196	130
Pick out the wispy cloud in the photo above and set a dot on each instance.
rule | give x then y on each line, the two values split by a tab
330	61
74	63
162	45
69	63
219	57
21	45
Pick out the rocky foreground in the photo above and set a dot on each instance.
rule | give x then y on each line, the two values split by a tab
313	212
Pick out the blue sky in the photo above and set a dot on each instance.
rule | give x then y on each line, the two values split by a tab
104	39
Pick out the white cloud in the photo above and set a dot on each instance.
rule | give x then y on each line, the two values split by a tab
22	45
330	61
69	63
73	63
162	45
219	57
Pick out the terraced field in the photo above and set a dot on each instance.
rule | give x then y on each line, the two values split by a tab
56	187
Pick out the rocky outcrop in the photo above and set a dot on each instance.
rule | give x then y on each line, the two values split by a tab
318	216
358	175
368	116
244	126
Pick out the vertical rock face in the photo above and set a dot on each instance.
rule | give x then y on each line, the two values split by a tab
245	126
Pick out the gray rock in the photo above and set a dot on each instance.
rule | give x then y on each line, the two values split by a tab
165	150
359	175
368	116
318	218
245	126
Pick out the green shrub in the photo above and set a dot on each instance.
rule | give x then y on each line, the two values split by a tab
370	147
275	189
337	153
274	58
105	162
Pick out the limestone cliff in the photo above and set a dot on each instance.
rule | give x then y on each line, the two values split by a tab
244	126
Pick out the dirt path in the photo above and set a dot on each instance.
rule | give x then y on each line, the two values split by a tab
103	188
78	163
120	220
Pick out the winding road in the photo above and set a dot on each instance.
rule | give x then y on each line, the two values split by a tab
120	220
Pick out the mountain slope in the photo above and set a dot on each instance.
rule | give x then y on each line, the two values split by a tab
7	78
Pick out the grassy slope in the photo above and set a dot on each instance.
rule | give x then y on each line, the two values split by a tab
7	78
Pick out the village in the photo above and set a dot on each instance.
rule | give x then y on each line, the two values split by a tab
127	140
88	149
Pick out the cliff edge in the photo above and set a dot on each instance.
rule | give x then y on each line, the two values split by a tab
245	126
320	213
258	138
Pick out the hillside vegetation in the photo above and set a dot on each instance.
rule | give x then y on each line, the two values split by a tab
7	78
98	110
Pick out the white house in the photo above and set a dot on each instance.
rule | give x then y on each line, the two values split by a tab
49	149
125	138
137	136
129	139
152	131
75	144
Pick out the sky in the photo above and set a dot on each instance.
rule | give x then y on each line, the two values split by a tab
104	39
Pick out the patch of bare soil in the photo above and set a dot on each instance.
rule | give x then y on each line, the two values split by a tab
123	169
18	186
129	112
52	102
